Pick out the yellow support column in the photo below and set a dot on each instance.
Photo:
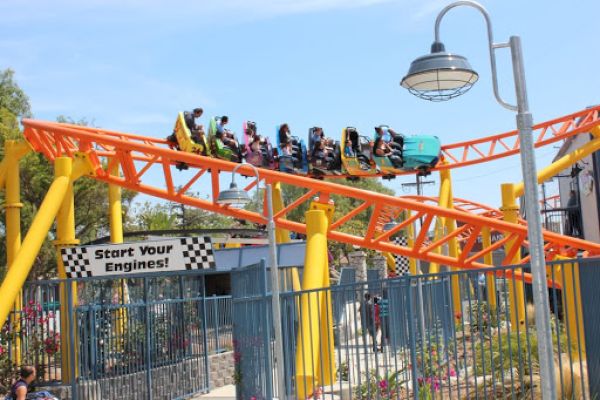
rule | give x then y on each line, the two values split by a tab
13	151
116	236
516	288
283	235
308	350
447	201
65	237
440	223
571	298
24	259
412	262
115	210
490	278
326	367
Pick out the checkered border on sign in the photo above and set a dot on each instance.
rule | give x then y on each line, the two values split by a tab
76	262
198	253
402	263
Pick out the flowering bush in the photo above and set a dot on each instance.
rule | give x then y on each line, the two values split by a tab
385	387
434	371
32	328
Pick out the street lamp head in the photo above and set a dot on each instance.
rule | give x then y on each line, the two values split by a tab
389	226
439	76
233	195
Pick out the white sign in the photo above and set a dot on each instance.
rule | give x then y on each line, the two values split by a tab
179	254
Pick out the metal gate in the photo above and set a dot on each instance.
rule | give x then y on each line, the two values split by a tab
142	338
252	332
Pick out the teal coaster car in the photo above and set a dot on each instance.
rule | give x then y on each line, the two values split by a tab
421	152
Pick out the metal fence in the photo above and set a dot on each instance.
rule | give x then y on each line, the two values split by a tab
148	337
447	335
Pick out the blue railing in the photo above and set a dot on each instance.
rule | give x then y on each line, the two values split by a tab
153	334
419	337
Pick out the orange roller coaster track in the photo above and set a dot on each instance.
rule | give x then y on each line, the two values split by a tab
137	155
507	144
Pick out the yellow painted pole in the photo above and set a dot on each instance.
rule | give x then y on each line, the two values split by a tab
326	367
489	260
283	235
116	236
443	201
24	259
65	237
510	210
453	247
3	166
308	350
115	209
571	297
564	162
391	262
13	207
412	262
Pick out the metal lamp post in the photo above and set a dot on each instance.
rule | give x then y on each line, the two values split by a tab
233	195
441	76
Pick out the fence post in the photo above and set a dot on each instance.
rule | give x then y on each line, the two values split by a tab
72	328
267	328
412	342
216	323
589	279
148	343
204	337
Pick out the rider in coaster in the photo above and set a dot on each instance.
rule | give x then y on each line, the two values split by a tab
285	140
390	136
226	136
383	149
352	138
322	145
197	131
322	152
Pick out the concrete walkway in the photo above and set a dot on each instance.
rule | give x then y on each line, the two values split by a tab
222	393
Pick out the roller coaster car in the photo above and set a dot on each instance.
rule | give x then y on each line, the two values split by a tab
296	162
358	161
259	151
417	153
391	164
322	163
184	140
216	145
421	152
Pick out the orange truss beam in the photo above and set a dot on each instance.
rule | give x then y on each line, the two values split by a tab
507	144
137	156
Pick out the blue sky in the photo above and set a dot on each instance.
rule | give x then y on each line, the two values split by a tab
131	65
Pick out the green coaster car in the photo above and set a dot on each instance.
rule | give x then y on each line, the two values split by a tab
217	147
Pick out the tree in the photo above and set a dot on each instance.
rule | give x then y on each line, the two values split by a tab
12	98
171	215
343	205
91	197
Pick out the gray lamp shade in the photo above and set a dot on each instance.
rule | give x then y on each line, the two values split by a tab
439	76
389	225
233	195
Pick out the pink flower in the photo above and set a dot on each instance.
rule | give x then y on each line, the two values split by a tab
452	372
383	384
2	350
